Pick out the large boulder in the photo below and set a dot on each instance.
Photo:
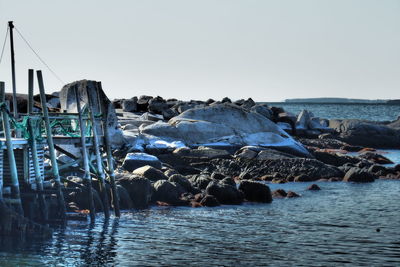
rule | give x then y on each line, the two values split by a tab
225	124
167	192
129	105
255	191
138	188
134	161
366	133
225	193
157	105
101	105
150	173
358	175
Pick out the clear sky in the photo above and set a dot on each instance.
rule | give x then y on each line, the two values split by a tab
267	50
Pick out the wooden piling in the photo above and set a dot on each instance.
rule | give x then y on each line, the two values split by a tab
2	97
15	193
100	170
85	155
110	162
30	91
50	143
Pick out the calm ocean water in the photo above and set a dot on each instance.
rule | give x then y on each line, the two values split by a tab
341	225
374	112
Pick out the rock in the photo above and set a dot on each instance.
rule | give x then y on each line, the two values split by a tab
378	170
358	176
246	154
291	194
169	113
335	159
248	104
209	201
217	176
254	191
200	181
143	103
263	110
279	193
245	175
168	192
375	158
130	105
397	167
170	172
224	193
134	161
182	180
304	178
150	173
226	100
313	187
227	124
157	105
228	181
150	117
101	105
125	201
139	190
266	154
202	152
366	133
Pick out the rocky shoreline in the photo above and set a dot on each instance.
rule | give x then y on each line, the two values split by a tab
211	153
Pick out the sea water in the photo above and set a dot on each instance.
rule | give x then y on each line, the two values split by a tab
344	224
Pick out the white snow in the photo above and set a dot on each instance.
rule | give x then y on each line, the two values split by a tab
141	156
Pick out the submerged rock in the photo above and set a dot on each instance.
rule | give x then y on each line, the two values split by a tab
168	192
209	201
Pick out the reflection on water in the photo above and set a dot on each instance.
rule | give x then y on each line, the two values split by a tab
337	225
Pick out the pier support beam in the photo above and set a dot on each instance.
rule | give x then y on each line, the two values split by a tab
50	143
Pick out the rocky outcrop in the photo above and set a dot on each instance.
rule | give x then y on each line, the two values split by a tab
168	192
224	124
366	133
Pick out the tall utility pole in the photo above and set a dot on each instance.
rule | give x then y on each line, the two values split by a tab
14	86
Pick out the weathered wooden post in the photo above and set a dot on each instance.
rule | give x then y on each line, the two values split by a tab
86	166
2	97
100	170
14	85
110	162
30	91
33	146
50	143
15	194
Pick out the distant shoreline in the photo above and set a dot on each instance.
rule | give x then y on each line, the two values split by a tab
336	100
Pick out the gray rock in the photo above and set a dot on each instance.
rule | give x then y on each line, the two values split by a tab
143	103
358	175
255	191
209	201
150	173
263	110
129	105
139	190
224	193
200	181
182	180
168	192
157	105
366	133
134	161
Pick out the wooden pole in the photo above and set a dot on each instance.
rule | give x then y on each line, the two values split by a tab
30	91
110	162
100	170
38	176
15	194
85	155
50	143
2	98
14	85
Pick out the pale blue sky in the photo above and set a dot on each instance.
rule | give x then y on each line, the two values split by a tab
268	50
